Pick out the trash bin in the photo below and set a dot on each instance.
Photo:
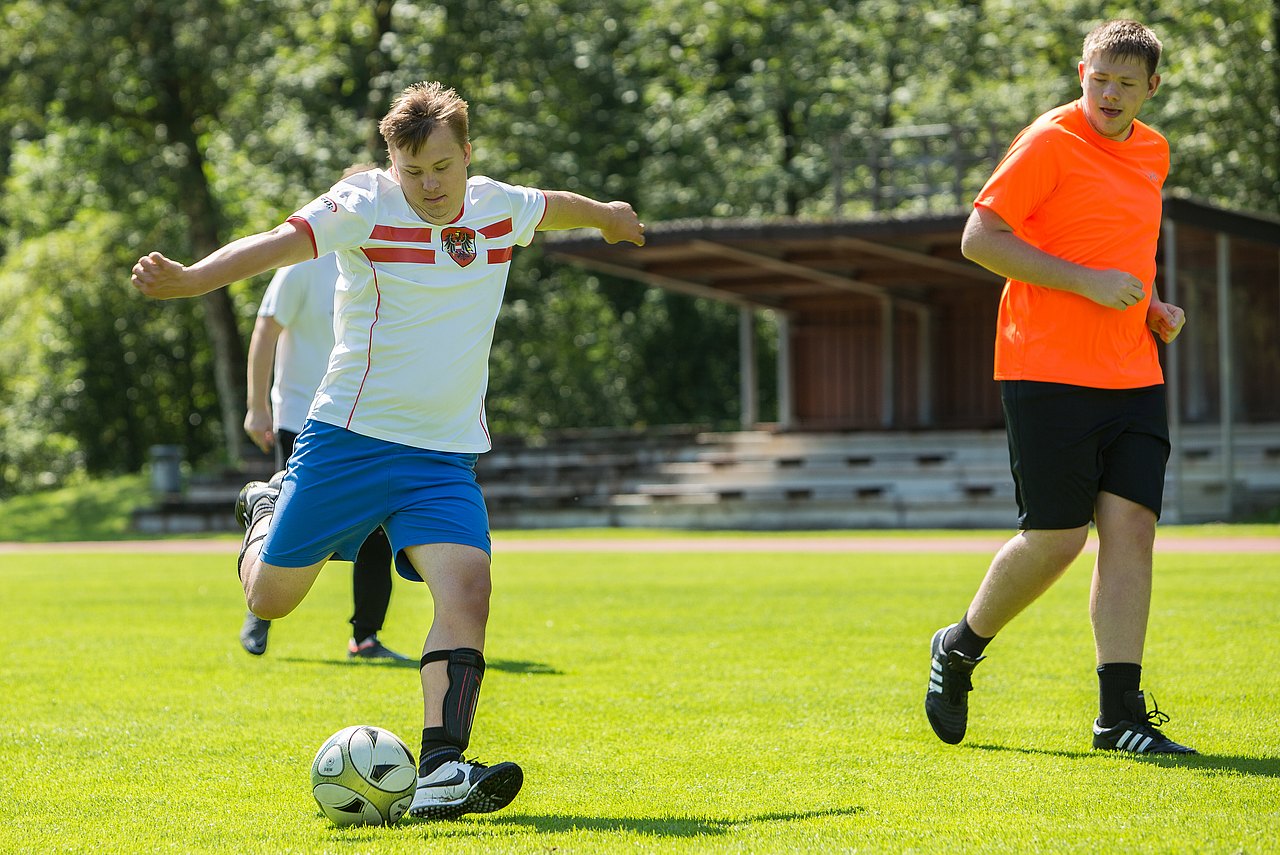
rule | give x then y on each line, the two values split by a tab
166	469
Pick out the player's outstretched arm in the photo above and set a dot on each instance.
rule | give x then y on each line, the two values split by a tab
991	242
164	279
615	220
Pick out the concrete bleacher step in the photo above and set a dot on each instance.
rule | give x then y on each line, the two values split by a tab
764	479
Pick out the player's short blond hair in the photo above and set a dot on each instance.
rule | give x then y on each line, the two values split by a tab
356	169
1124	39
419	110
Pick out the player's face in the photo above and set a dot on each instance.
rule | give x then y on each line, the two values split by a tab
434	179
1115	88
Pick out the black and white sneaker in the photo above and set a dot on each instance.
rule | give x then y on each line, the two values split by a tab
1140	734
950	682
254	492
465	786
251	496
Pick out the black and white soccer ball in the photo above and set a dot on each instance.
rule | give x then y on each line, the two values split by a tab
363	775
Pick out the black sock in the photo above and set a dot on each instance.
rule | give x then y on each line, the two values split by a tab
437	749
1114	680
962	639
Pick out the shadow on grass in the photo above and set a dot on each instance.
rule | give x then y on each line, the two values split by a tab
1262	767
519	666
647	826
508	666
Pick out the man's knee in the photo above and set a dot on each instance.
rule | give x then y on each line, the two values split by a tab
1058	546
471	592
273	592
267	604
458	576
1123	518
266	608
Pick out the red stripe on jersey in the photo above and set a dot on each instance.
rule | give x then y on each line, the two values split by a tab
498	229
303	225
398	233
400	253
500	256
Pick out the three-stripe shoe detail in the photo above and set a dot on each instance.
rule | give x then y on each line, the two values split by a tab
1134	741
1140	736
950	681
935	676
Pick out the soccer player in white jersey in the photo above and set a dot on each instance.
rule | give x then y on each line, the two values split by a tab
395	427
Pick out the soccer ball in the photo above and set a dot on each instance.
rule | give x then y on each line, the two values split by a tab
363	775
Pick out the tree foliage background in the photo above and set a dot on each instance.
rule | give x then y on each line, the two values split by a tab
176	125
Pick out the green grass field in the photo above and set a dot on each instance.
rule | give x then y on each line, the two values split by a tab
753	702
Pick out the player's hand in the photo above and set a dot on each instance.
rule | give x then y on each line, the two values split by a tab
1114	289
1165	320
161	278
257	424
623	225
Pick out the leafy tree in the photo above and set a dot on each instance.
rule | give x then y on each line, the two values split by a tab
178	125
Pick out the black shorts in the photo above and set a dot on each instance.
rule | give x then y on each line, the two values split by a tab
1068	443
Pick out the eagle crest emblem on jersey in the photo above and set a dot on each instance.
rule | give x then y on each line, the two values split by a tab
460	243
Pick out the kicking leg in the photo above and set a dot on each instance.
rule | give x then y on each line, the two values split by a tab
270	592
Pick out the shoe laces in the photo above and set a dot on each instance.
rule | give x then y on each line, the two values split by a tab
1154	717
957	674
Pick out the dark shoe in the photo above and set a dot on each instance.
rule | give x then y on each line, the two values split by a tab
950	682
253	635
254	492
372	648
1139	734
465	786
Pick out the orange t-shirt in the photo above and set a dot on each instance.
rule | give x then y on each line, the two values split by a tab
1071	192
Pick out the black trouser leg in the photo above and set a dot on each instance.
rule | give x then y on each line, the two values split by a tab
371	585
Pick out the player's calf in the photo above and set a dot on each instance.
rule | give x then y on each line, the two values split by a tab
448	785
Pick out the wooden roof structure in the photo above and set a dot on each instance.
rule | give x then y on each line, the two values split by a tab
773	264
884	324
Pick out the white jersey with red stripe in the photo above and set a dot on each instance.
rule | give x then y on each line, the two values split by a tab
415	307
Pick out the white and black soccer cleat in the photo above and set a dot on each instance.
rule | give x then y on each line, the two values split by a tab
465	786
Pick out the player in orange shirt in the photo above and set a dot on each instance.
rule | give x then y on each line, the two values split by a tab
1071	216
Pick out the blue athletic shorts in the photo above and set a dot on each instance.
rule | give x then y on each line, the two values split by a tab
339	486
